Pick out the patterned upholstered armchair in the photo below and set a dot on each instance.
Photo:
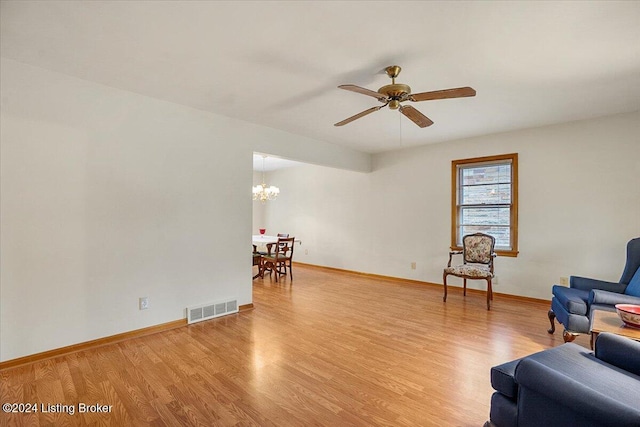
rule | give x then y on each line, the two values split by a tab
572	306
477	257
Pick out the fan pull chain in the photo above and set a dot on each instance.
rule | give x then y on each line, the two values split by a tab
400	118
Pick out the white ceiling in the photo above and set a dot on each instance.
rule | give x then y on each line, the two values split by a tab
277	64
266	163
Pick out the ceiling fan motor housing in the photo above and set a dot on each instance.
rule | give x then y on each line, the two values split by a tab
396	92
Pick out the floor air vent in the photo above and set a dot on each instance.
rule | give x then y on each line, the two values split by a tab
209	311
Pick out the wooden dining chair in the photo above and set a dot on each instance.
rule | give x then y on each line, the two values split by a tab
269	245
281	266
279	261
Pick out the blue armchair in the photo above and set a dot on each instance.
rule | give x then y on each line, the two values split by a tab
572	306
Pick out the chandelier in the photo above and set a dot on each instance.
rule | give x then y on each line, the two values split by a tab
262	192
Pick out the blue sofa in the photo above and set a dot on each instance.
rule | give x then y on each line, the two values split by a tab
570	386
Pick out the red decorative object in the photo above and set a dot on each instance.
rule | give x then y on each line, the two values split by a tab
263	230
630	314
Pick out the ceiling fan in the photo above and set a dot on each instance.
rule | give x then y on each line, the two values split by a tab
395	93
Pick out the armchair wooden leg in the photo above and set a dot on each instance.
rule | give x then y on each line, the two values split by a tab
464	292
568	336
444	280
552	317
489	294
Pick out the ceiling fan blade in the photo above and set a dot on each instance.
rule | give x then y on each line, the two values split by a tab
357	116
416	116
459	92
358	89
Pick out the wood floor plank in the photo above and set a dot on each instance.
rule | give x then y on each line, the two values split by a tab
335	349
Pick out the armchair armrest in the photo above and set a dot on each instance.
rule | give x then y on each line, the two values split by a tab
598	296
618	351
587	284
451	254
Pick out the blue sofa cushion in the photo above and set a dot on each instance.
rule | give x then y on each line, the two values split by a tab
618	351
502	379
573	300
633	288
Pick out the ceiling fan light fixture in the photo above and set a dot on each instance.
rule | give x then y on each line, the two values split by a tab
394	104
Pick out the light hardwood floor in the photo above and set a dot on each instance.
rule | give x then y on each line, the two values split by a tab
334	349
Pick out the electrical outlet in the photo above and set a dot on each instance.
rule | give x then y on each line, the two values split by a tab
413	265
564	281
494	281
306	251
143	302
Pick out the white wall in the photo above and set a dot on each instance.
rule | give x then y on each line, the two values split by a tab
259	208
108	196
579	204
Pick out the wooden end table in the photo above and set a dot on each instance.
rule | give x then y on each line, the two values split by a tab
609	321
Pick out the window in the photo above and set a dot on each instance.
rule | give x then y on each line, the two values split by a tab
484	198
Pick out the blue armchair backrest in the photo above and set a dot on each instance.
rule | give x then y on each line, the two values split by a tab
633	260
